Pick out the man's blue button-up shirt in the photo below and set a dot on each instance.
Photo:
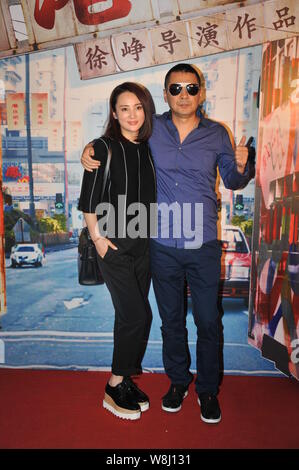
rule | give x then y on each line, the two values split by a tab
186	173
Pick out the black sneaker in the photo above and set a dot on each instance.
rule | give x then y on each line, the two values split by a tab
118	400
210	409
173	399
138	395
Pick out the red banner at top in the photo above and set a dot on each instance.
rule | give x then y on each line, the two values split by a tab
44	14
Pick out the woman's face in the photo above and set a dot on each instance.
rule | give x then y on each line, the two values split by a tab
130	114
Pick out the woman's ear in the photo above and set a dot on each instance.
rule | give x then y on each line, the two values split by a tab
114	115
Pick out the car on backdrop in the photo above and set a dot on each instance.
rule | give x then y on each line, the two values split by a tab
235	264
26	254
74	236
74	239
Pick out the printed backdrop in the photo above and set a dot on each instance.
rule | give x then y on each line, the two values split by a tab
274	311
51	321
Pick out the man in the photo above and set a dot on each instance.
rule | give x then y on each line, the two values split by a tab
187	148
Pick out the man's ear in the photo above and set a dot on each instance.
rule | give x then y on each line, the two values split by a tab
165	95
202	95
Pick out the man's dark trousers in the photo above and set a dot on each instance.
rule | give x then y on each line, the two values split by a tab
201	267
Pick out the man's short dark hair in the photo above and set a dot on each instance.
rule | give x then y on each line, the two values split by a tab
181	68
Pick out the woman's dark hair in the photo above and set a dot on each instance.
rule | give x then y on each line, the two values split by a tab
142	93
181	68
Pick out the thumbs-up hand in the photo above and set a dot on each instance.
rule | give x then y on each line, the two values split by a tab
241	155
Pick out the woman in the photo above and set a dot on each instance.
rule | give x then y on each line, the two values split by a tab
123	256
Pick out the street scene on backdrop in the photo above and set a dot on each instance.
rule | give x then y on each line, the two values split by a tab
51	321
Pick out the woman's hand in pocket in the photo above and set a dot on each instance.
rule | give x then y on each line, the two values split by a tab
102	245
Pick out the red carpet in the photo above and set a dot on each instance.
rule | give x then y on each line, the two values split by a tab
62	410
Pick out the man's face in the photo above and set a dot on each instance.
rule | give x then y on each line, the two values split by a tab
182	105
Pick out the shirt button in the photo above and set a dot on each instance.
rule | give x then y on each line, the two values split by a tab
176	184
180	148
